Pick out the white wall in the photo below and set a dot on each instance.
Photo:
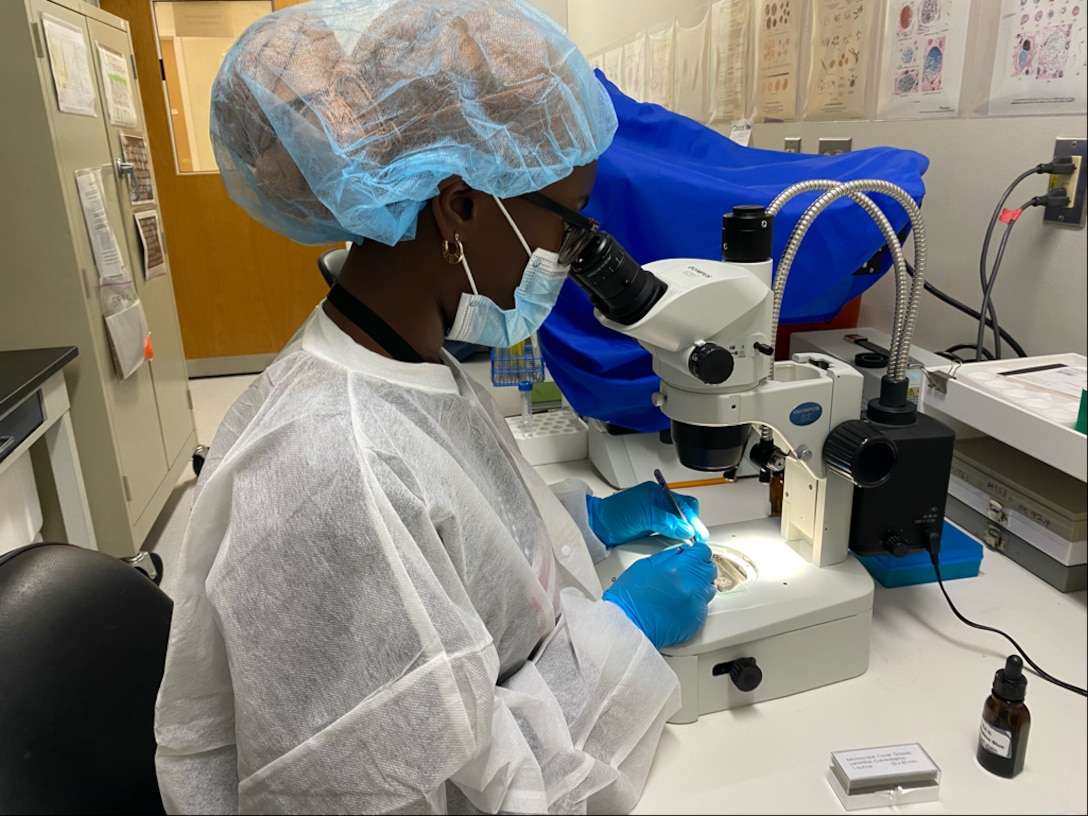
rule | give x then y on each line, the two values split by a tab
1041	289
556	8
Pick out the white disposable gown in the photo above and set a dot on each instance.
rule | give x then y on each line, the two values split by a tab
382	608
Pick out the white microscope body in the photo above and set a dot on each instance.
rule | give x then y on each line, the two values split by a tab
799	610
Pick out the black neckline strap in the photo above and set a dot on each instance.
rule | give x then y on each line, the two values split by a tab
360	315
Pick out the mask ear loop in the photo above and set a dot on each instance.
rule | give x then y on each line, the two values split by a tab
471	280
513	226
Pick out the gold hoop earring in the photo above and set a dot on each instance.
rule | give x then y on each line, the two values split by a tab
453	251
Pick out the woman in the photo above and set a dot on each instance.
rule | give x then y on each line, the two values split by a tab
381	606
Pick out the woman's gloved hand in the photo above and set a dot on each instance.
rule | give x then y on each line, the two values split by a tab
641	511
666	595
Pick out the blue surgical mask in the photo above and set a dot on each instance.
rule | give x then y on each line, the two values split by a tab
480	320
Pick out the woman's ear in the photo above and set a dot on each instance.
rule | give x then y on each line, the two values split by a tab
454	207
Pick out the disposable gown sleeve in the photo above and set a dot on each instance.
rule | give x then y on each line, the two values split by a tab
363	681
572	495
602	679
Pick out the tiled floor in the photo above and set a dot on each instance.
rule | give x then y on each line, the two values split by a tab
212	397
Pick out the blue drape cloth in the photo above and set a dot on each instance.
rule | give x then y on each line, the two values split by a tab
661	190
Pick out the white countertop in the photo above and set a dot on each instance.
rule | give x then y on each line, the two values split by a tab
928	677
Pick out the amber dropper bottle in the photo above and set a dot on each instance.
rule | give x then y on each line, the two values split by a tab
1003	733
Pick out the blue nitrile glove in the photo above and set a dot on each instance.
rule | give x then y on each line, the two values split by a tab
666	595
643	510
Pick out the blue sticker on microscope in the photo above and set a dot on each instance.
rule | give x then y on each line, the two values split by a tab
806	413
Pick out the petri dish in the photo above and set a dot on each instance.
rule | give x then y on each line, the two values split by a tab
735	570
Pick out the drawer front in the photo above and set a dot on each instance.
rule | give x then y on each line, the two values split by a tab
20	423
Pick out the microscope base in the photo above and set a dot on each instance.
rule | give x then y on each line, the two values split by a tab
805	626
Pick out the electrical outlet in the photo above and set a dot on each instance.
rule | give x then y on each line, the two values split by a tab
793	144
834	145
1073	214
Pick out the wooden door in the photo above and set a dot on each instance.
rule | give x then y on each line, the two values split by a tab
241	289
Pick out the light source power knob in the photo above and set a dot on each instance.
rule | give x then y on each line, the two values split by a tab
859	452
710	363
745	673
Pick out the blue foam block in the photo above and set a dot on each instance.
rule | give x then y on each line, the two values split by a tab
960	557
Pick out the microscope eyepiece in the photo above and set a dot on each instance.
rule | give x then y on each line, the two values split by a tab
618	287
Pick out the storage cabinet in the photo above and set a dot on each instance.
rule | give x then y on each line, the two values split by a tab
135	435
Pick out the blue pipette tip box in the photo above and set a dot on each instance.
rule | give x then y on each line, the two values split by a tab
961	555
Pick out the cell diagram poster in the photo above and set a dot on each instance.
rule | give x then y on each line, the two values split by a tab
1040	61
921	67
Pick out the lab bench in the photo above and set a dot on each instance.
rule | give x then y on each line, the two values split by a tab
928	677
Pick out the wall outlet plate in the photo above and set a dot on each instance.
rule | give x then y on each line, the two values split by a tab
792	144
830	146
1073	215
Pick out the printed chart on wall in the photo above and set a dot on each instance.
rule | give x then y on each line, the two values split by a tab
659	49
72	76
120	106
921	72
147	224
634	68
134	149
612	65
841	48
728	60
1041	62
778	49
690	69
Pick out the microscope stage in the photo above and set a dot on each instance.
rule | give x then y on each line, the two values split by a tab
805	626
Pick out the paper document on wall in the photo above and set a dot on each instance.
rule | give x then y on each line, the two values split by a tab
613	66
1041	62
72	76
659	50
728	60
690	70
634	68
107	255
841	50
777	58
921	70
134	149
740	132
120	106
147	224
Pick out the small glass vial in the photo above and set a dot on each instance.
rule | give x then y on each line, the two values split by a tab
1003	733
775	490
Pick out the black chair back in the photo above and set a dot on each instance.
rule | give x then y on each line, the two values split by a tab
82	647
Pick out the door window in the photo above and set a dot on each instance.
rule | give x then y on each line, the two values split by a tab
194	36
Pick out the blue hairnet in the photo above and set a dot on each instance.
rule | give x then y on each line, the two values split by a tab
336	120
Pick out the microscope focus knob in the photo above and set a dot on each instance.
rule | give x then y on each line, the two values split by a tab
745	673
710	363
896	545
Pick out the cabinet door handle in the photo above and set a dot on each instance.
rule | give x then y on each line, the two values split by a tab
126	169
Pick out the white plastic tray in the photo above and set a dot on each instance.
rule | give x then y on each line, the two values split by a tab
556	436
1015	415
